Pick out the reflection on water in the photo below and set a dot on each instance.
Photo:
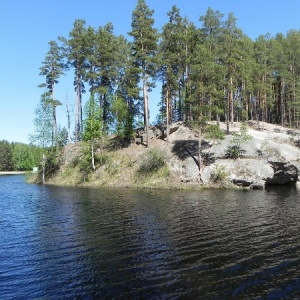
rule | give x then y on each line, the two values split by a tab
84	243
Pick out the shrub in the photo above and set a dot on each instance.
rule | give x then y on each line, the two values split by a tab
267	151
83	163
218	173
152	160
242	136
232	152
238	139
102	159
214	132
111	168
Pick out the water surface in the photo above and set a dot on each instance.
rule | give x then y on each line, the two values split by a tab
85	243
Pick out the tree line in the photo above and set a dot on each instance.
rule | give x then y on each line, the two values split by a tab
18	156
208	72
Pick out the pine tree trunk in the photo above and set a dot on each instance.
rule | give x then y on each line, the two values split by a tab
231	101
78	110
282	104
227	112
167	110
146	111
44	159
93	157
55	130
247	107
69	122
199	149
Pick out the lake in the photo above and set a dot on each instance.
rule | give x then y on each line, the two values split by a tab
90	243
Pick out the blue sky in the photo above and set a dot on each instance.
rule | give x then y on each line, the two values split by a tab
26	27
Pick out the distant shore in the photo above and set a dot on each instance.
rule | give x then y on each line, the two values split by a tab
12	172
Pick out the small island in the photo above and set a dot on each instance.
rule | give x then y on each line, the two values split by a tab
228	106
251	156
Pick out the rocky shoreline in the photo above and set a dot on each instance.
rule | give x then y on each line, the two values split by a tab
270	157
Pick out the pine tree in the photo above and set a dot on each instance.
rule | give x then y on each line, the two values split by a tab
231	60
262	79
171	53
144	49
211	34
191	40
128	86
6	157
52	68
293	52
77	48
281	78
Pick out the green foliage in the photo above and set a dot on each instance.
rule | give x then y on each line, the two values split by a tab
218	173
152	160
144	50
102	159
122	119
214	132
51	164
83	162
238	139
53	66
163	172
6	156
43	133
232	152
24	157
93	126
214	71
111	168
241	136
63	137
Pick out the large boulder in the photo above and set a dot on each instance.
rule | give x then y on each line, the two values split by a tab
242	172
284	173
190	170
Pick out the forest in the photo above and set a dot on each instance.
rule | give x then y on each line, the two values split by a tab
18	156
214	72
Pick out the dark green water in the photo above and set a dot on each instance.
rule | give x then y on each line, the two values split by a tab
83	243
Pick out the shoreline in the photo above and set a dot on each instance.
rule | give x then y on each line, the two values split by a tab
12	173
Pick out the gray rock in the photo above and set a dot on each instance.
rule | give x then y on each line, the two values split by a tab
188	179
284	173
243	182
257	186
190	169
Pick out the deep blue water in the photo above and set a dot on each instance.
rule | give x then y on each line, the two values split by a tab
87	243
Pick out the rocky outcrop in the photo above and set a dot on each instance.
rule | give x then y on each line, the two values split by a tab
284	173
271	157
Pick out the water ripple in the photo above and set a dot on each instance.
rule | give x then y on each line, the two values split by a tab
81	243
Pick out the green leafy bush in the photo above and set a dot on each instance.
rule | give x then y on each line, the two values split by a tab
238	139
214	132
83	163
232	152
152	160
218	173
242	136
102	159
